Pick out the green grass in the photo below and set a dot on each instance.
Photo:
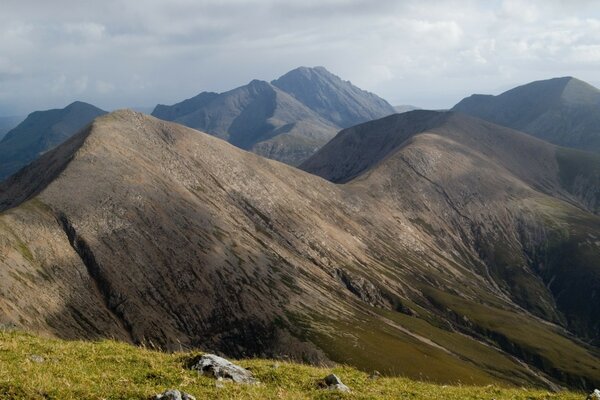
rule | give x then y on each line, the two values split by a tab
112	370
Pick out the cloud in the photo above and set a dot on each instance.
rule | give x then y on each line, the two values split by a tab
117	53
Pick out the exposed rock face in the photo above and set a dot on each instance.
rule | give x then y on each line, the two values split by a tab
40	132
563	111
466	223
220	368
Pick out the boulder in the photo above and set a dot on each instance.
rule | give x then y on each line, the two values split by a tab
595	395
174	394
218	367
333	382
375	375
36	358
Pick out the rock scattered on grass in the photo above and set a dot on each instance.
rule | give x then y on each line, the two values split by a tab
375	375
595	395
36	358
218	367
174	394
333	382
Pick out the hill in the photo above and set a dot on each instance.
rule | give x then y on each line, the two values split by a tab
107	369
40	132
451	259
564	111
8	123
286	120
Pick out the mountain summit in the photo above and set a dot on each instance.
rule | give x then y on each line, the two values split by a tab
287	120
564	111
336	100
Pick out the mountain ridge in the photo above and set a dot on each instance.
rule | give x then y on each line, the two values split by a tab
276	119
201	244
564	111
42	131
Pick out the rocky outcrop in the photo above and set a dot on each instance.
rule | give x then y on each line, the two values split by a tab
220	368
333	382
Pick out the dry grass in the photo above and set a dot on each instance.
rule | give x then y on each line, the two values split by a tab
112	370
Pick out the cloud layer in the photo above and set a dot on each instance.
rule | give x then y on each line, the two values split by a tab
118	53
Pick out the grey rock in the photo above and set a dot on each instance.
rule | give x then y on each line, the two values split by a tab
595	395
37	358
218	367
375	375
174	394
333	382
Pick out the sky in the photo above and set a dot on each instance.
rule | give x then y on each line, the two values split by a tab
429	53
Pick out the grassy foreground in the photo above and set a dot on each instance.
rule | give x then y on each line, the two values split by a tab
111	370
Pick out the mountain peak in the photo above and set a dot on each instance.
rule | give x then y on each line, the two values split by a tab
42	131
331	97
563	111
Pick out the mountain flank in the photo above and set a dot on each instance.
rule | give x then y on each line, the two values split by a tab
564	111
450	257
40	132
8	123
287	119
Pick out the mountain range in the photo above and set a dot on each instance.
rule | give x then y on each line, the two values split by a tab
564	111
40	132
286	120
432	245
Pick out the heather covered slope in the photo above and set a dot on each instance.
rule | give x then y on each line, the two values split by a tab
178	239
564	111
40	132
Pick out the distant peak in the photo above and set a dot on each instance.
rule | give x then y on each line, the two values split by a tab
79	104
259	84
307	72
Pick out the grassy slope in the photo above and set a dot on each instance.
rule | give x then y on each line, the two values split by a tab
111	370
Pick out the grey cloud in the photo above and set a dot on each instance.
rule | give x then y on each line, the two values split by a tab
119	53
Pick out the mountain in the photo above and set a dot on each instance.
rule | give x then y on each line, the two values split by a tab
563	111
7	123
286	120
335	100
406	108
40	132
257	117
458	254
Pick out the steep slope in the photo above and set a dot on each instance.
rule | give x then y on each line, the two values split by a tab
257	117
563	111
8	123
508	196
40	132
181	240
333	99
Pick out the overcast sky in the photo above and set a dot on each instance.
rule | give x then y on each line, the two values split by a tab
118	53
